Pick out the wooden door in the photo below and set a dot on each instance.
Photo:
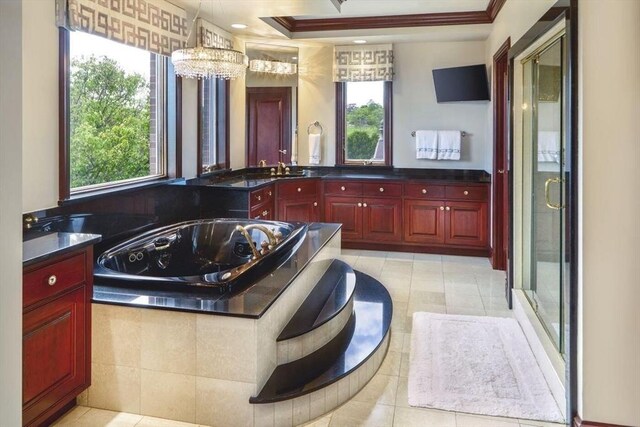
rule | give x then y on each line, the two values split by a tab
382	219
268	125
305	210
424	221
466	224
54	352
500	157
345	211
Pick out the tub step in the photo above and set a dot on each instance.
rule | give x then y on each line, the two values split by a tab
329	297
365	335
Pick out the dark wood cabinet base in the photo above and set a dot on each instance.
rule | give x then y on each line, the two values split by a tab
578	422
393	247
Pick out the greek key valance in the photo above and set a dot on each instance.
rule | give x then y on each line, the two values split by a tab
363	63
210	35
154	25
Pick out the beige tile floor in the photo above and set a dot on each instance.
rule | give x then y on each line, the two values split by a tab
416	282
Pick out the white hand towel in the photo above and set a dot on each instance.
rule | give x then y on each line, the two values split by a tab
426	144
449	144
549	146
314	148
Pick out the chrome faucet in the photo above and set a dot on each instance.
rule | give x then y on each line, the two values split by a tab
273	239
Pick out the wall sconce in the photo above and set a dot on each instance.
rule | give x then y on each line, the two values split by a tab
273	67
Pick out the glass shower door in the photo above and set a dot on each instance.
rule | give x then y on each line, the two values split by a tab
544	212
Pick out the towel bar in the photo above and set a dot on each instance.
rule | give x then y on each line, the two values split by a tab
463	133
315	124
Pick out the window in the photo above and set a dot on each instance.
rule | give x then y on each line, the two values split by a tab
364	113
213	125
115	122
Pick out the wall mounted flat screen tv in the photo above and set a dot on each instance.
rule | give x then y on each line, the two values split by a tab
461	83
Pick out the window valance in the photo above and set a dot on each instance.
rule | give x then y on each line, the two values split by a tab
210	35
154	25
363	63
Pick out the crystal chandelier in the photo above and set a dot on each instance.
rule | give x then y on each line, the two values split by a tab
273	67
208	62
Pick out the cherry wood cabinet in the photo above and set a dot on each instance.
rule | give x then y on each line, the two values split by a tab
346	211
299	200
261	203
424	221
466	224
56	340
381	219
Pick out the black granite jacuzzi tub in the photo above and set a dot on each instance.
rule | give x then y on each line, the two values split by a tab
198	255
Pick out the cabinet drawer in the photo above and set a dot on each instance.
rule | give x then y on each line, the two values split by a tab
464	192
424	191
298	188
260	196
382	189
264	211
53	279
345	188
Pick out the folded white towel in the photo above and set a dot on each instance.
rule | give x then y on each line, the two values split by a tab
549	146
426	144
449	144
314	148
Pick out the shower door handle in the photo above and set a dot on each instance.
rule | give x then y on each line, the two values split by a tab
547	183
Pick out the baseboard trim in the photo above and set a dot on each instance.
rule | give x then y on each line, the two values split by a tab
579	422
400	247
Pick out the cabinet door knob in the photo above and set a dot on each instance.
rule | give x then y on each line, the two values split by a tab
465	192
382	189
270	194
299	189
315	203
448	208
364	204
342	188
52	280
441	208
265	213
259	198
500	170
424	191
359	204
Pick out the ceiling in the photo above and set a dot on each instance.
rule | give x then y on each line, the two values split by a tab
250	12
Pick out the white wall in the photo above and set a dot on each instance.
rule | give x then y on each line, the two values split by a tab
415	106
609	284
11	135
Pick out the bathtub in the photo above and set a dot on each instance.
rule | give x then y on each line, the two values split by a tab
197	255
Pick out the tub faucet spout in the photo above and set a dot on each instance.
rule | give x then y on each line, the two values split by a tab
272	237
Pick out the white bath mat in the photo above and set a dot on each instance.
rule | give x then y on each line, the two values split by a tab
479	365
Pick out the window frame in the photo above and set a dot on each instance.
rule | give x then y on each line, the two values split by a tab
170	129
222	125
341	127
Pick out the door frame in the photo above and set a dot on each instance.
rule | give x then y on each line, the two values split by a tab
500	205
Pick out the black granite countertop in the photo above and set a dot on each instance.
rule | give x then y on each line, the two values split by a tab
49	245
252	303
253	178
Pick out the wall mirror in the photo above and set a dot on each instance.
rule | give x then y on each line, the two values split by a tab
272	103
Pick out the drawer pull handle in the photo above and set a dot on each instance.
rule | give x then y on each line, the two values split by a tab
342	188
52	280
364	204
359	205
448	208
465	192
315	203
441	208
381	189
270	194
265	213
424	191
259	198
299	189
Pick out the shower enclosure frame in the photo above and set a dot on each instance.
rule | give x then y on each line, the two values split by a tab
562	10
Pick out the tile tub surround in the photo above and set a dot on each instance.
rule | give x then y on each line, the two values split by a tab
191	366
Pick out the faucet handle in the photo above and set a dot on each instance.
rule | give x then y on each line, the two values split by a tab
262	163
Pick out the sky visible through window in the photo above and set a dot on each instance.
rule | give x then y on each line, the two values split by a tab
361	93
129	58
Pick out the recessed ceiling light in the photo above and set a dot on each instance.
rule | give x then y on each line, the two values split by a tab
239	26
359	41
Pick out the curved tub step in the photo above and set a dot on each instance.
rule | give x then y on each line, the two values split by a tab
357	351
328	298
